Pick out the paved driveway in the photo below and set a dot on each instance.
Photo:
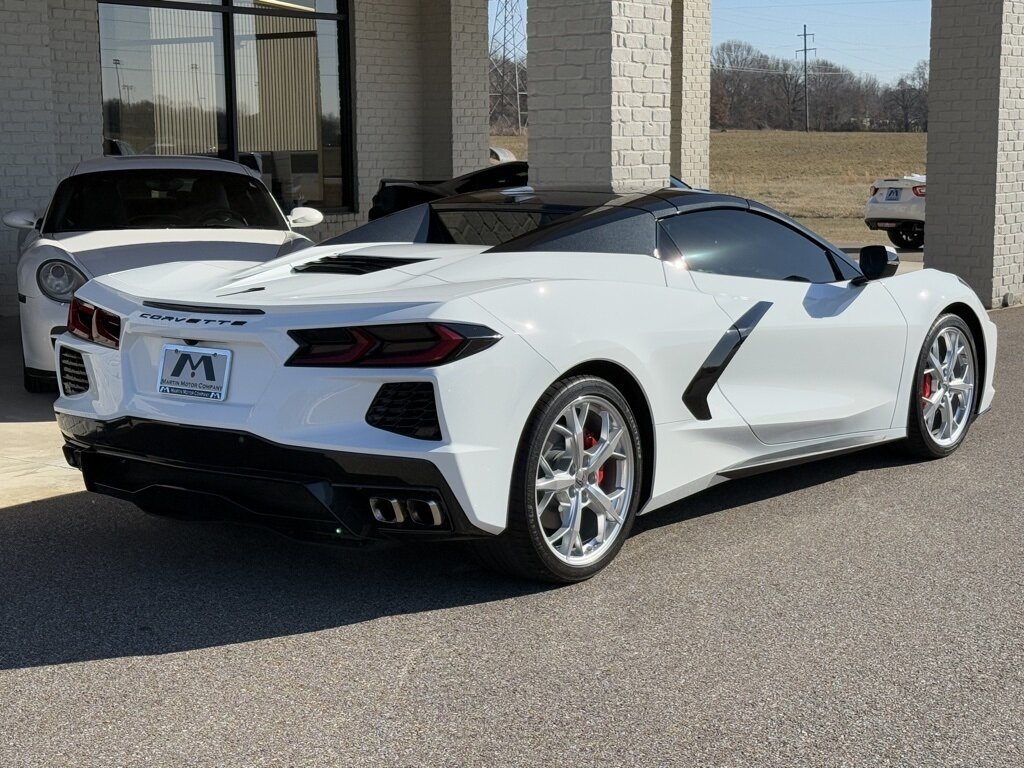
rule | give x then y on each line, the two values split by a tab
860	611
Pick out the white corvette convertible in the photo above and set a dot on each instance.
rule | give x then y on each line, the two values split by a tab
115	213
531	371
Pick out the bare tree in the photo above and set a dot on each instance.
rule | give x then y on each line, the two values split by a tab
750	89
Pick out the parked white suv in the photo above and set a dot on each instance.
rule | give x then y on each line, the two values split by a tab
897	207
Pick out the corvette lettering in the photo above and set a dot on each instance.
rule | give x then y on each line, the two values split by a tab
190	320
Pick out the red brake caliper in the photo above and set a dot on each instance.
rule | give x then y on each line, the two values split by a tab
926	387
589	441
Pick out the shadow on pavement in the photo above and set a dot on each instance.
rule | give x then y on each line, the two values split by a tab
87	577
749	490
17	405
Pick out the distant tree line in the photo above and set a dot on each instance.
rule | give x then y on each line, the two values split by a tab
752	90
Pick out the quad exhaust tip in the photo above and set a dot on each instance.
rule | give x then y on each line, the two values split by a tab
424	512
388	511
420	512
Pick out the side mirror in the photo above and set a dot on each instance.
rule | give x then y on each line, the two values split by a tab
878	261
20	219
305	217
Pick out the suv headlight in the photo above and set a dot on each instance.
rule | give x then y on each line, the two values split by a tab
59	280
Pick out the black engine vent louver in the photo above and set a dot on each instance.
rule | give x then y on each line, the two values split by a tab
74	379
342	264
406	408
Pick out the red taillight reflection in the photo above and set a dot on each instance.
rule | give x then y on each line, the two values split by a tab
94	324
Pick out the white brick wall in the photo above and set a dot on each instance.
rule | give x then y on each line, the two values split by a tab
691	91
975	222
601	94
454	51
1008	257
469	100
405	99
50	89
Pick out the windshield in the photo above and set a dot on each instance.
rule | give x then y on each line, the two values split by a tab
161	199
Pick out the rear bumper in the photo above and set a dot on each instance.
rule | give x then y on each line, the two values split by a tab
893	223
216	474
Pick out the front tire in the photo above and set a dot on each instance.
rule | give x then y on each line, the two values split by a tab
943	397
575	487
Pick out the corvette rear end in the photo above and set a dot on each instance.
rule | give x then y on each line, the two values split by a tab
357	395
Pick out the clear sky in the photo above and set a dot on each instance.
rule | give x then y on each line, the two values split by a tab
885	38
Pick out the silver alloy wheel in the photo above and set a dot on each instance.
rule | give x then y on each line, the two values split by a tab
947	387
584	480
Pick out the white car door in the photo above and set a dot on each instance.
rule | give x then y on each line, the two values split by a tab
825	358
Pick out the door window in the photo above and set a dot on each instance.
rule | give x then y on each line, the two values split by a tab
745	244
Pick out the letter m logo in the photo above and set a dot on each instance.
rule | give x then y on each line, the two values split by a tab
194	363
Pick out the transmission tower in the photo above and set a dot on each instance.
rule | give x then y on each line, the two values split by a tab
507	71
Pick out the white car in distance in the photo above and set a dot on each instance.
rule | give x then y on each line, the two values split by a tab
897	207
118	213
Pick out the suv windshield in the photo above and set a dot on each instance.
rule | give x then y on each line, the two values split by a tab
161	199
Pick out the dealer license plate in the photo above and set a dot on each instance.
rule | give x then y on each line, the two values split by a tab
194	372
893	195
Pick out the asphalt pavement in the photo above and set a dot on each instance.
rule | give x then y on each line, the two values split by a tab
864	611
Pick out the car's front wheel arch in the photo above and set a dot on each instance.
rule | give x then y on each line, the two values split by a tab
973	322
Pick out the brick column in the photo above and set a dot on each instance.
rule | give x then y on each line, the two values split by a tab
52	115
454	70
975	224
691	91
599	86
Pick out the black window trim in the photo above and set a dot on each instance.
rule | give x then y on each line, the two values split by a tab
349	189
668	250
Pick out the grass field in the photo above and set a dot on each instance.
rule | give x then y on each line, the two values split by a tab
820	178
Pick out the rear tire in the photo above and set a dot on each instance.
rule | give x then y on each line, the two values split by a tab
907	237
575	487
943	399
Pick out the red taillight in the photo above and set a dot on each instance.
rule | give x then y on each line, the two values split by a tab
919	190
874	191
94	324
408	345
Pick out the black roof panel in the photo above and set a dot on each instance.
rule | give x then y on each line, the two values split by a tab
663	202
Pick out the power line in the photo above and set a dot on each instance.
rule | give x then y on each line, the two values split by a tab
783	73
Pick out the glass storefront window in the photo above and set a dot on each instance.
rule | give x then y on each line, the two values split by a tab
163	81
286	74
258	81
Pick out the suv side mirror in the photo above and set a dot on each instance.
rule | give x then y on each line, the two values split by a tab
878	261
20	219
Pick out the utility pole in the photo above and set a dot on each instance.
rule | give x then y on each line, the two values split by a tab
807	104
